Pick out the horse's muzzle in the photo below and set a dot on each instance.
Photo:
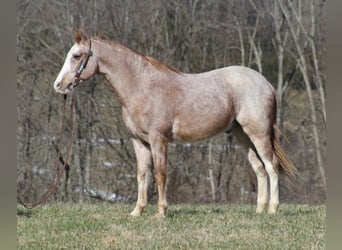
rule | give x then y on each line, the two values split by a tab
59	88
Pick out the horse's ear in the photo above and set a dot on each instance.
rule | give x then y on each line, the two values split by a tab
80	36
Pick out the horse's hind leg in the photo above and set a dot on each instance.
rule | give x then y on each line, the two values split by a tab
257	166
260	172
143	155
264	149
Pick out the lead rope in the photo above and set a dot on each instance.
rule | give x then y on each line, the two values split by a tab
58	174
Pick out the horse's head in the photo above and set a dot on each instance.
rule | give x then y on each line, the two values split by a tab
80	53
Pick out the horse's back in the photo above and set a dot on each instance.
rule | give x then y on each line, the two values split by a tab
236	78
242	85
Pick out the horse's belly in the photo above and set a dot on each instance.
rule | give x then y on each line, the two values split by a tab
200	128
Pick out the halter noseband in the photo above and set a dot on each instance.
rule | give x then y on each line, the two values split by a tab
82	66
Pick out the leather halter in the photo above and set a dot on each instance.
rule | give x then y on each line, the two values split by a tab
82	66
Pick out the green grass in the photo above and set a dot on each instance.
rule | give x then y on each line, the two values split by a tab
107	226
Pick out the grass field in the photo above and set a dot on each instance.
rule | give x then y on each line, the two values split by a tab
227	226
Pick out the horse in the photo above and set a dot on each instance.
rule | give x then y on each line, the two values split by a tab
161	104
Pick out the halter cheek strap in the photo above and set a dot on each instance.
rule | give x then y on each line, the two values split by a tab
82	67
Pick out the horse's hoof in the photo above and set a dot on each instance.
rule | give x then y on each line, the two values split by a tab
133	214
273	208
136	213
261	208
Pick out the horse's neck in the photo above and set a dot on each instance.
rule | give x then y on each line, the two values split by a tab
119	69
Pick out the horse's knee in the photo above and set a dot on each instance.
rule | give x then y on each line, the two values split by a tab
143	176
160	173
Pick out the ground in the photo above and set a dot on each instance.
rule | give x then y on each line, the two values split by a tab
215	226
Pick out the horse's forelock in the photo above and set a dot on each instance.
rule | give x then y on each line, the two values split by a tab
80	36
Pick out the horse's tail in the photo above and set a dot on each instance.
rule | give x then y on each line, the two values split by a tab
285	165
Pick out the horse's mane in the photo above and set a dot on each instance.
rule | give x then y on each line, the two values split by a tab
157	64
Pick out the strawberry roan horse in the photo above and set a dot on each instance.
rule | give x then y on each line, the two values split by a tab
161	105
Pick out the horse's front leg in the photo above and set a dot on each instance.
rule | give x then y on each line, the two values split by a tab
159	154
143	155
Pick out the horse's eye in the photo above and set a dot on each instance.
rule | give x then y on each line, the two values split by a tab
76	56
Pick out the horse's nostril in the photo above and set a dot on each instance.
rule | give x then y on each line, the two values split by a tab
58	85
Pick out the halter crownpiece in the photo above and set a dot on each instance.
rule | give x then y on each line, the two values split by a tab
82	66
